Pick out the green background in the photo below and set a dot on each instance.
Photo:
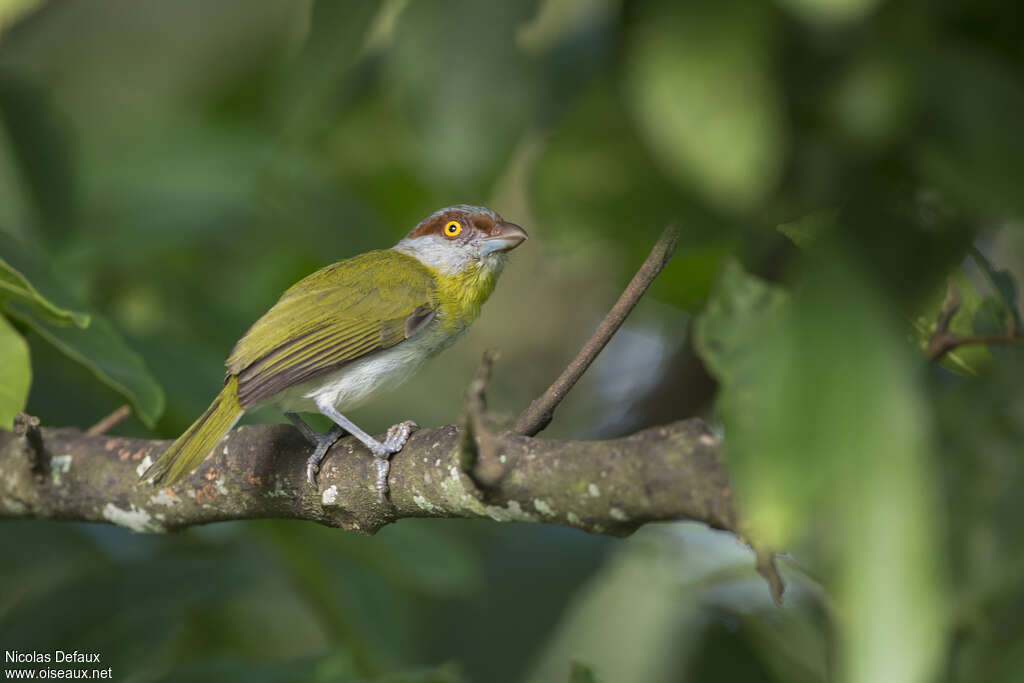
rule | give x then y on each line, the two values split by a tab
170	167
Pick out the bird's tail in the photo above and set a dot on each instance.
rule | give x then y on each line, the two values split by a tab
192	447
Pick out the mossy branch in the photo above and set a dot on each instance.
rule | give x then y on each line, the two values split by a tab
672	472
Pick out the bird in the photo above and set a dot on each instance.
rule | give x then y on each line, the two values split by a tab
352	330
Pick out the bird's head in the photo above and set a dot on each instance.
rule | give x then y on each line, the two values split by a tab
460	238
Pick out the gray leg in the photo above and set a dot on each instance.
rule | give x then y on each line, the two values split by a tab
321	442
397	436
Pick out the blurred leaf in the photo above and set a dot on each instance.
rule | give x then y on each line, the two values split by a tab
336	34
594	176
825	429
447	58
701	92
332	667
581	673
643	616
807	230
424	558
1005	285
42	146
141	602
15	373
13	10
101	349
414	556
872	103
14	284
980	431
973	153
991	317
47	557
595	181
740	309
830	11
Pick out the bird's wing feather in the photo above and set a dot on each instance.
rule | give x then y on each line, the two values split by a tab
332	317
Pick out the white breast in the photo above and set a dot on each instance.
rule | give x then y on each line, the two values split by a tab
361	380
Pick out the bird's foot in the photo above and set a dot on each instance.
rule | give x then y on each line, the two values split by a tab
395	440
322	442
398	435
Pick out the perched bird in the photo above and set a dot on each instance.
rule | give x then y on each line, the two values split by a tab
350	330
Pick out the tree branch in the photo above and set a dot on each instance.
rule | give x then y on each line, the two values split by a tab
540	412
612	487
672	472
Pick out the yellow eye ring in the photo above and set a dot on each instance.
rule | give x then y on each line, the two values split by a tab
452	229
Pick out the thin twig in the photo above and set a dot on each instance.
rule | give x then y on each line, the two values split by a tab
110	421
941	344
538	415
481	461
767	568
943	341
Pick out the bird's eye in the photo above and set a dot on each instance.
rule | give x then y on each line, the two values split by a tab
452	229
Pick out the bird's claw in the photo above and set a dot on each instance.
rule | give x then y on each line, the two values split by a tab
398	435
395	440
313	468
323	443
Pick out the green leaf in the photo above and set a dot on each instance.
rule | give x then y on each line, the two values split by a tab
15	373
830	11
581	673
991	317
594	177
1005	285
965	360
806	230
740	307
41	143
13	10
826	438
99	347
15	285
102	350
465	140
699	82
972	152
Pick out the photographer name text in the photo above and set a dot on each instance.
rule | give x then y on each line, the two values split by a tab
55	657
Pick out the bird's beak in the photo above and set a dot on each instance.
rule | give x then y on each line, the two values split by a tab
504	237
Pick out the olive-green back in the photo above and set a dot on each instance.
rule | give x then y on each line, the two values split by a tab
337	314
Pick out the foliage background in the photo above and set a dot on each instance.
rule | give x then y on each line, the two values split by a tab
170	168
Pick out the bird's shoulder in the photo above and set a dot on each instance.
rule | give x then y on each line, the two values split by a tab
338	313
385	271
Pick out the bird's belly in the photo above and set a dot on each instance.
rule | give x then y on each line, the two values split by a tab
358	382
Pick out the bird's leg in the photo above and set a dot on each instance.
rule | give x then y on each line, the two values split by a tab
397	436
321	442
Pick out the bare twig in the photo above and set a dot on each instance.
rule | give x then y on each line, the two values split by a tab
480	452
943	341
940	345
110	421
770	572
26	427
538	415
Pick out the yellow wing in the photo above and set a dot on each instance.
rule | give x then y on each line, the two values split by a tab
332	317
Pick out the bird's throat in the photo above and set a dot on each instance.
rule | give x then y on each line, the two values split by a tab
463	294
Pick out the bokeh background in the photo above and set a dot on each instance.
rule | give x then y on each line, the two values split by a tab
171	167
